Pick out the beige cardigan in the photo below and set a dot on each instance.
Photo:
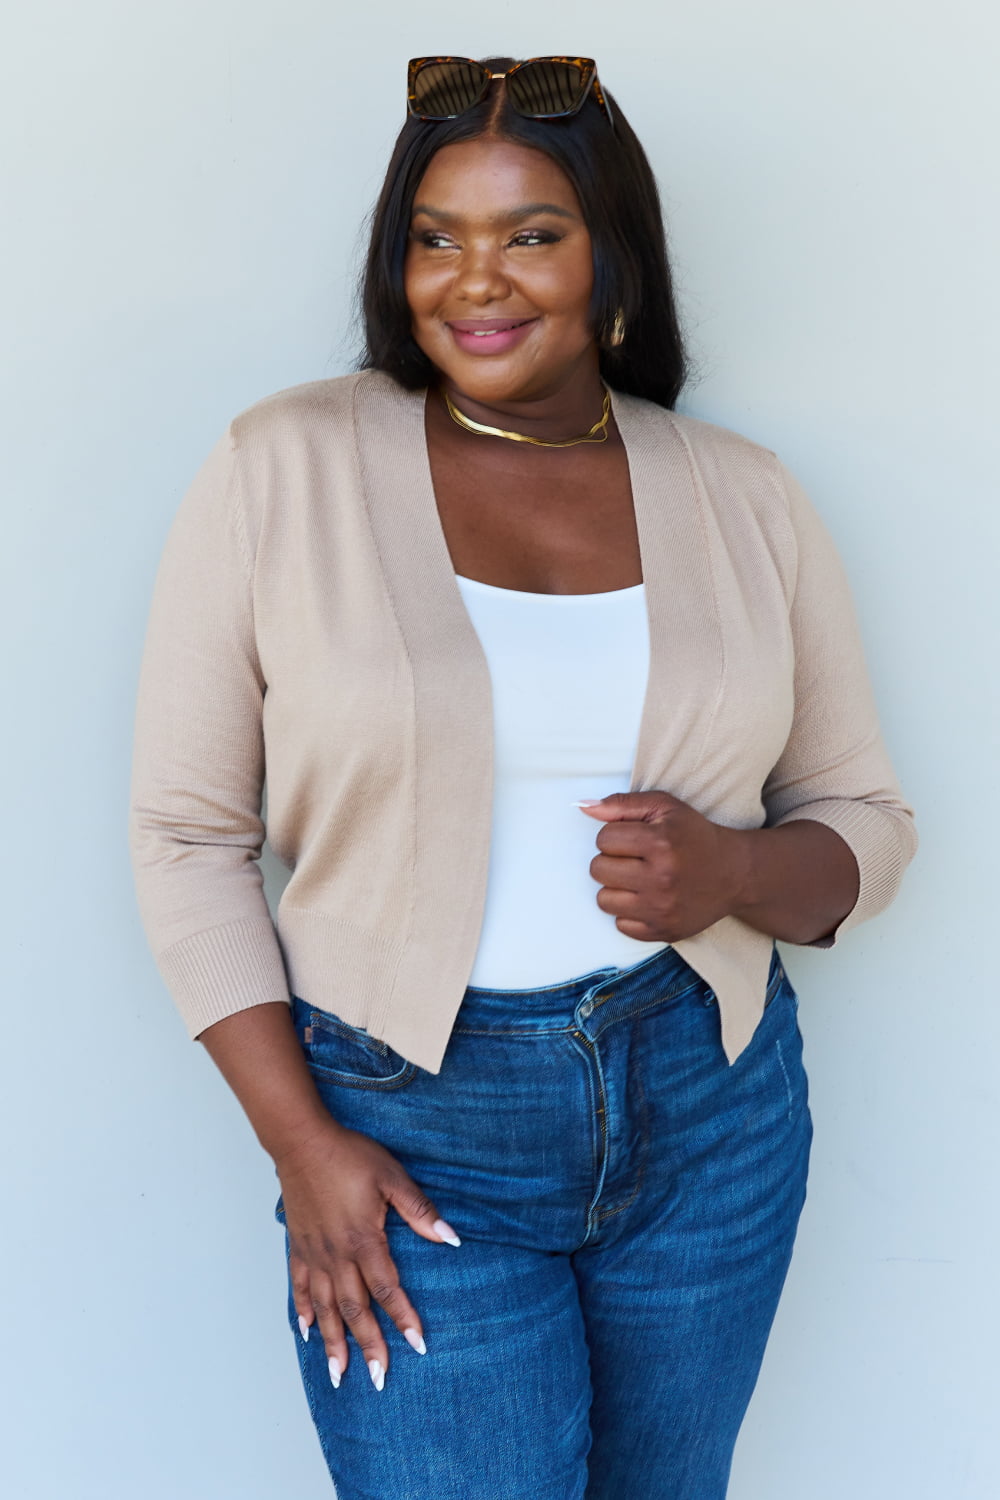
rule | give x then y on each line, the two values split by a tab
306	619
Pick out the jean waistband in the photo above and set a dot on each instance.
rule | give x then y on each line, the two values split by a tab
661	977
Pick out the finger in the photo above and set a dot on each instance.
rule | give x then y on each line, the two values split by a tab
416	1209
628	840
623	874
355	1309
633	928
299	1274
378	1269
620	806
620	903
331	1325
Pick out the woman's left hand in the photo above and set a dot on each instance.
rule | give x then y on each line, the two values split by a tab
665	872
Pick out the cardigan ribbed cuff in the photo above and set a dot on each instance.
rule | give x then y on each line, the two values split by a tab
214	974
882	842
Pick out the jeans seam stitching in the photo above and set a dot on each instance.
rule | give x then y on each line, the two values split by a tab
673	994
511	1030
784	1071
595	1086
349	1081
640	1010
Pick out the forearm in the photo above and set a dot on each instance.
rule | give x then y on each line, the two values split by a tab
796	882
258	1054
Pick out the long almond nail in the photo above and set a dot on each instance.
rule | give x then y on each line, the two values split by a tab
445	1232
335	1372
303	1329
414	1340
377	1374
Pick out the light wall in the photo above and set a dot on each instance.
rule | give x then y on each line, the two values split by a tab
180	221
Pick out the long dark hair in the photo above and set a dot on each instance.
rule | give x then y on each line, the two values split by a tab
621	208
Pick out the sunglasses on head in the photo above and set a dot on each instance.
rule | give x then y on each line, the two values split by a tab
540	88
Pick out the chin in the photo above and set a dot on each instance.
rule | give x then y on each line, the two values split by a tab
497	381
491	387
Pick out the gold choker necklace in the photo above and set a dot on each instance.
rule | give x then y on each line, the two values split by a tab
597	434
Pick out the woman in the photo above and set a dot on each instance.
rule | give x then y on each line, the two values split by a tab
474	610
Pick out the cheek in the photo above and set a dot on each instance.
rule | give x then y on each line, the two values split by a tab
571	306
424	287
568	285
414	282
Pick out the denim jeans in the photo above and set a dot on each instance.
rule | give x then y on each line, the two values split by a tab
627	1204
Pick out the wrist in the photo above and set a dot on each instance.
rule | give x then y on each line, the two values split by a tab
741	866
308	1135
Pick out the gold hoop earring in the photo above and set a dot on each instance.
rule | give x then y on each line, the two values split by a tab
617	337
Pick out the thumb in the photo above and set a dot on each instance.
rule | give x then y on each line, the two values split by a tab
419	1212
636	807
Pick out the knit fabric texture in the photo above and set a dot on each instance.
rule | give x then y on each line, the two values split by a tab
306	623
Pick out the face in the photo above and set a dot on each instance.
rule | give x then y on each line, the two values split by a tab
499	273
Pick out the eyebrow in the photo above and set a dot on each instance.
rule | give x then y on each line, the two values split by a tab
512	216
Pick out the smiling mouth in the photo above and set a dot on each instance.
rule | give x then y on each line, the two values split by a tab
486	328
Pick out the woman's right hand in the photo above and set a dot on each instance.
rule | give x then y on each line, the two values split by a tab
337	1186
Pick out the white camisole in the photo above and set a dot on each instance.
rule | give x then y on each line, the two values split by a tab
569	674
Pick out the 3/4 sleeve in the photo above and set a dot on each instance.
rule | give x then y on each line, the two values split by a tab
834	768
195	826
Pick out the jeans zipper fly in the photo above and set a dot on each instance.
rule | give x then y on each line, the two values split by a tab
601	1108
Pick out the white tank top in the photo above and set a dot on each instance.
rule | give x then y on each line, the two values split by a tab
569	675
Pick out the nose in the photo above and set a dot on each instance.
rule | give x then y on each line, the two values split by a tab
480	277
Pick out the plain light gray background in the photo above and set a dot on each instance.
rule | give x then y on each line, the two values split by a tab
183	190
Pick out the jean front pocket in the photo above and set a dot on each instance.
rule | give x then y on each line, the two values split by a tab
349	1056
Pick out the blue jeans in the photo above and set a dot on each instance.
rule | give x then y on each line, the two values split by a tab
627	1204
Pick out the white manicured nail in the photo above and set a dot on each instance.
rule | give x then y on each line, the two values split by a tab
414	1340
334	1365
589	802
377	1374
303	1329
445	1232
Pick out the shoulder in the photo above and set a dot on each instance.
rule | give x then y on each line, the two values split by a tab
755	512
731	471
317	407
708	440
654	424
737	474
302	452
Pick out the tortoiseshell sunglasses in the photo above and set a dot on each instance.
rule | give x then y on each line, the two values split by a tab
540	88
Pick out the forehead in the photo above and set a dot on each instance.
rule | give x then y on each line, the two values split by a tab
487	174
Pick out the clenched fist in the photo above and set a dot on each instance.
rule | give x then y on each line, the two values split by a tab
665	872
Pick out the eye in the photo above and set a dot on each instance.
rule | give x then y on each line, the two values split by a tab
535	237
434	239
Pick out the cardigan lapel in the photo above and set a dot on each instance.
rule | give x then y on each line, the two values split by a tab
687	668
452	699
686	659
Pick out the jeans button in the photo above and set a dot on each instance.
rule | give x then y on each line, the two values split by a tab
586	1008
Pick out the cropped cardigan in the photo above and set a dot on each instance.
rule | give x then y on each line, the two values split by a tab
306	622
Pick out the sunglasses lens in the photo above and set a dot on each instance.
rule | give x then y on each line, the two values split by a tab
547	88
443	90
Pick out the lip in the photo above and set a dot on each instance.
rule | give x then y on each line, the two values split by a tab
483	336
